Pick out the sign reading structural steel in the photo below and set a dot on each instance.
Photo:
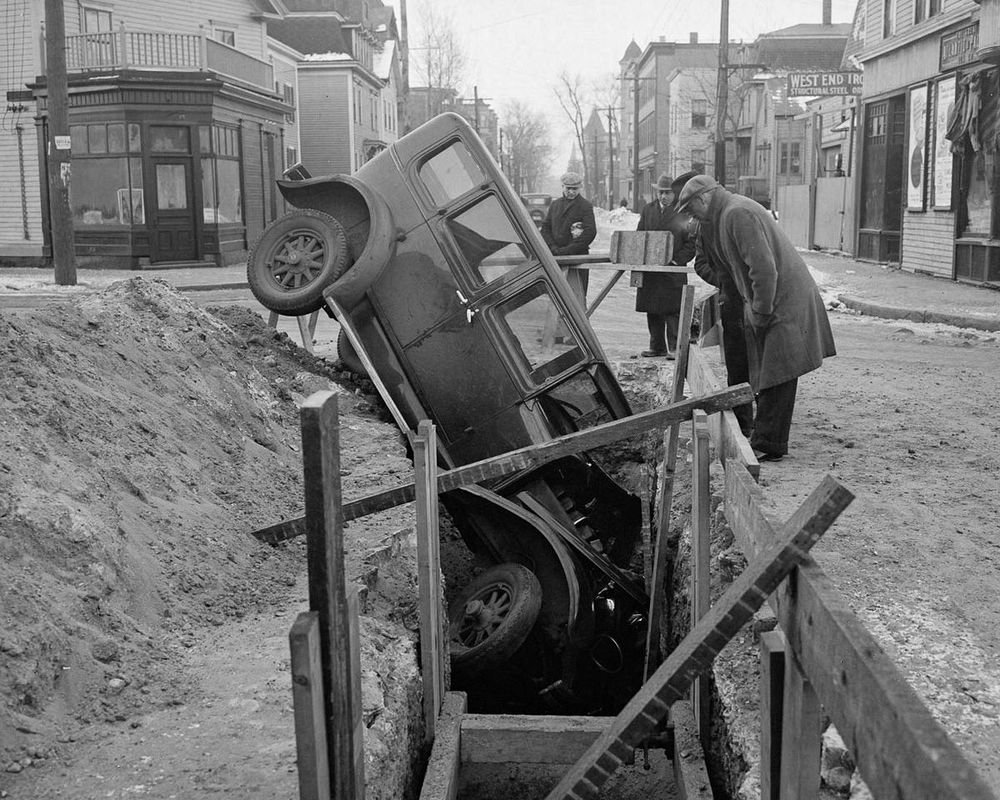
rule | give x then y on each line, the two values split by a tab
821	84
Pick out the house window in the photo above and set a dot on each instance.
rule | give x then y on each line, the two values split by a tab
789	158
925	9
226	36
888	18
699	113
698	159
96	20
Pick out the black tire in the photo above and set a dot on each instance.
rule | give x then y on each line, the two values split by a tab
348	355
295	259
492	616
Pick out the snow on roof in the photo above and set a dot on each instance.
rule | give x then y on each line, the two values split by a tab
327	57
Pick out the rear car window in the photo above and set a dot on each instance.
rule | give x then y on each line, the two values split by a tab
490	245
450	174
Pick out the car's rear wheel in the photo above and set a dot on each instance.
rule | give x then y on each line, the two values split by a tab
295	259
492	617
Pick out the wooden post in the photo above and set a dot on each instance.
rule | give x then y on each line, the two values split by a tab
432	640
328	594
772	688
801	734
308	700
655	588
701	553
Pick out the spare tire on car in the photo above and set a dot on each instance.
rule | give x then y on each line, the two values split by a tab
492	616
296	258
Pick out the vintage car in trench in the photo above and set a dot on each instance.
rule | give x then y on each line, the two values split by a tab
431	263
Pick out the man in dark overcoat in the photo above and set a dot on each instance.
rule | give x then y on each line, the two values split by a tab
787	330
658	294
569	228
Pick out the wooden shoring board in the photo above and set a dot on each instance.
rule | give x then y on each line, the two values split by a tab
431	602
307	327
801	734
534	739
441	777
604	291
901	750
694	655
690	771
328	595
701	554
730	443
772	690
526	457
309	708
666	490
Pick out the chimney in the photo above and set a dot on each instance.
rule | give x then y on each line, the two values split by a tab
693	37
827	12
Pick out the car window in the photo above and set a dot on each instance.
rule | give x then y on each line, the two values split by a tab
539	331
450	174
489	243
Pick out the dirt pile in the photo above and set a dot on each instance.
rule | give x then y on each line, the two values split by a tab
142	439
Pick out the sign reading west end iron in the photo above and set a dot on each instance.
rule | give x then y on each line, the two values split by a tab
821	84
959	47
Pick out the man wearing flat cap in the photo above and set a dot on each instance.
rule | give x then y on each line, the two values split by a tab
658	294
787	330
569	228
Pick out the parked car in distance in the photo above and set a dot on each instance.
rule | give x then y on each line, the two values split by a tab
537	205
453	299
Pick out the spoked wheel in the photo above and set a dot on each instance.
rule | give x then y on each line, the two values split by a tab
295	259
492	616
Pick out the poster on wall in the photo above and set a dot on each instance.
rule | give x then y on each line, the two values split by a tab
917	152
944	103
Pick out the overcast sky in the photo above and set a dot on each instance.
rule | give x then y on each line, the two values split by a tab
516	49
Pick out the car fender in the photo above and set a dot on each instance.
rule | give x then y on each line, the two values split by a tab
367	222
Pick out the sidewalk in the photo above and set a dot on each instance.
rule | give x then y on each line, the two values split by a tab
870	289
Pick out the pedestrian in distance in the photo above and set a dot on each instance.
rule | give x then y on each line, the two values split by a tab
787	329
569	228
658	294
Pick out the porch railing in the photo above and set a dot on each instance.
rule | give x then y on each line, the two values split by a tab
132	49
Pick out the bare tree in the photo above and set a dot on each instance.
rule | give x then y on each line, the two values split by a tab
440	58
529	146
572	99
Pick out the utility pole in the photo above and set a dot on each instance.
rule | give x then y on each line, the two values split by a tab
58	145
475	97
611	161
635	139
722	96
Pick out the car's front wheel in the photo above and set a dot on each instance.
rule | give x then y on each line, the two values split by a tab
295	259
492	617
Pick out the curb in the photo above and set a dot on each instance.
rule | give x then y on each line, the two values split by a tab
991	324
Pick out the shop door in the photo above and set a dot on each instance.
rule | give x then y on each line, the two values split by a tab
173	223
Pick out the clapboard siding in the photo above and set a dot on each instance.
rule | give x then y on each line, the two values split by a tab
928	243
184	16
325	120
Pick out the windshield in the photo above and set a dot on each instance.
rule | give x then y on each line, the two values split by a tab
546	345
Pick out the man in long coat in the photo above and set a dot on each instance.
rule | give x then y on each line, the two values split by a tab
569	228
787	329
658	294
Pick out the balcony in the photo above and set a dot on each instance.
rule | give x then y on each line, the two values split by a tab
127	49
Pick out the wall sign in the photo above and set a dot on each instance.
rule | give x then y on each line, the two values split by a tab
916	164
959	47
944	102
823	84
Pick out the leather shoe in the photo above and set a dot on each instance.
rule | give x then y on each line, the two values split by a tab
654	353
760	455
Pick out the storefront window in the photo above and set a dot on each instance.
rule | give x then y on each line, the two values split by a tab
977	202
106	185
220	174
170	139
